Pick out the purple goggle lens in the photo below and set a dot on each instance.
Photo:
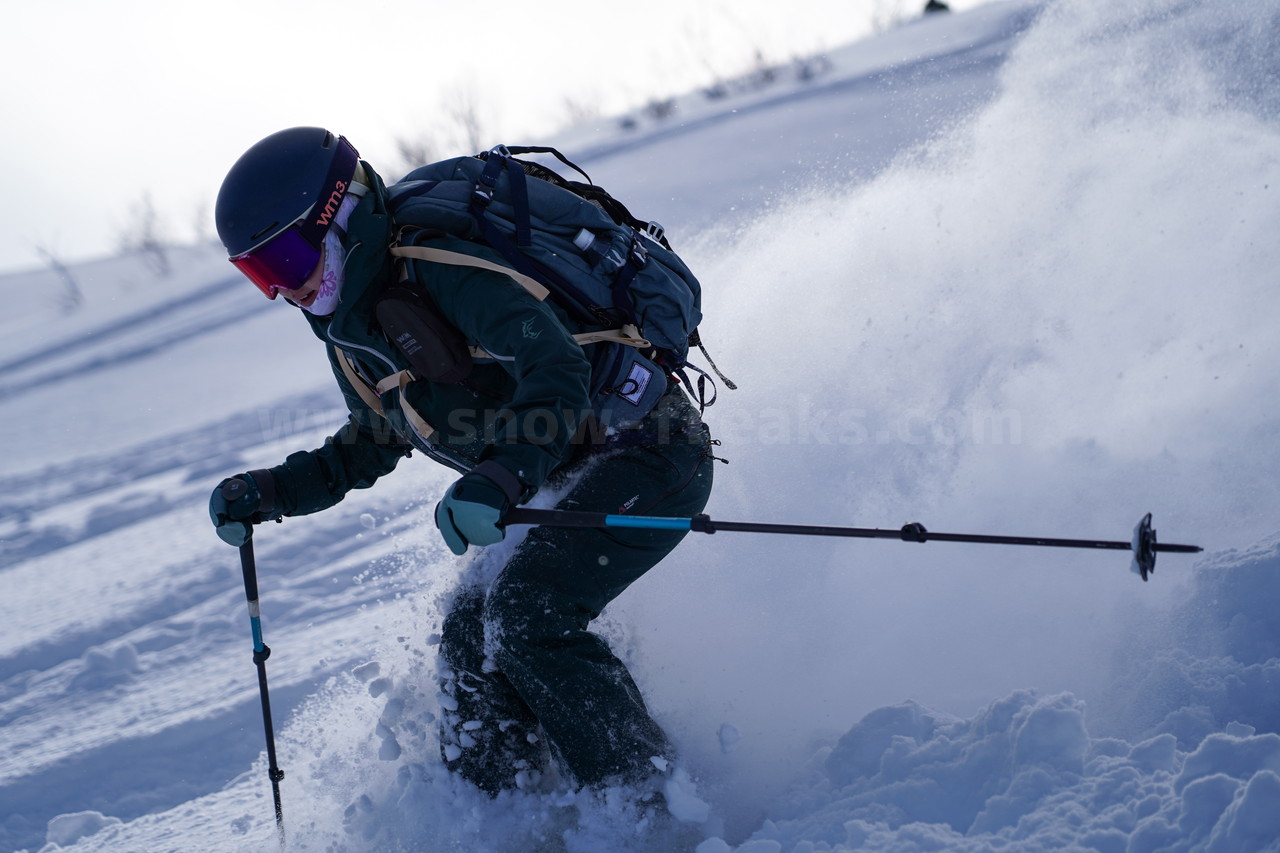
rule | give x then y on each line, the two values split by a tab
286	260
283	264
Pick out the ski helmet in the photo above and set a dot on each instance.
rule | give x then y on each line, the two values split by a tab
278	202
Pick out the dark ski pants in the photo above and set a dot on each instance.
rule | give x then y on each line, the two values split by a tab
525	677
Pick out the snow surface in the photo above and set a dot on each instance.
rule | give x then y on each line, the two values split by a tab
1006	271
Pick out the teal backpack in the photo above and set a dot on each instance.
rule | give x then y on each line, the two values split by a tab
614	275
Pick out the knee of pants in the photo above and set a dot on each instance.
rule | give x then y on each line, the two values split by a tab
521	618
462	635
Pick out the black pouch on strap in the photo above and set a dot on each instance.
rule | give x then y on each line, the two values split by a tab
436	350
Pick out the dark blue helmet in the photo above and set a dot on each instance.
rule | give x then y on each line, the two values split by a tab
278	202
277	182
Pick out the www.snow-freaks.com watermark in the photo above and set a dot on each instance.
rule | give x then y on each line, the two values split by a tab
807	423
804	423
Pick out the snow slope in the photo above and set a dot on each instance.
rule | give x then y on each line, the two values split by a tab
1006	271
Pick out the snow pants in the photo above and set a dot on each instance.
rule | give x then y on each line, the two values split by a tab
524	680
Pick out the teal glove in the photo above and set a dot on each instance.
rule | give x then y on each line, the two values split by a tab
234	511
471	512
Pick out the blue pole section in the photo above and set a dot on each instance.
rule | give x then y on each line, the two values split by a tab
255	612
648	522
255	625
573	518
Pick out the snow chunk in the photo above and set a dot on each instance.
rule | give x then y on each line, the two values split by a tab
682	799
103	669
1053	733
760	846
729	738
860	750
67	829
1253	821
1158	753
1238	758
366	672
714	845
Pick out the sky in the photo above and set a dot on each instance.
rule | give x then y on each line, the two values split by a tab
110	107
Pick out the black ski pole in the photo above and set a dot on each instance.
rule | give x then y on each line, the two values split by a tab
231	491
1143	545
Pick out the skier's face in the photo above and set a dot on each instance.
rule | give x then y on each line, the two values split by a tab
306	294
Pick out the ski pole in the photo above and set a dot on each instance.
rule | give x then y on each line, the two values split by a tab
1143	545
261	651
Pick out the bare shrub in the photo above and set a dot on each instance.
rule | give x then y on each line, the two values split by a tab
142	234
71	297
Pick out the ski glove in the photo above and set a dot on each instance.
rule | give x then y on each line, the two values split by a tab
233	519
471	512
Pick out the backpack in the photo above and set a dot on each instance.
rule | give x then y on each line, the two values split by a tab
613	274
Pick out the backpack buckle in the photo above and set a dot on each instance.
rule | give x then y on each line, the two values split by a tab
655	232
639	254
487	183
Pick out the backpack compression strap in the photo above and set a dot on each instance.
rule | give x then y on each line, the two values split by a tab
457	259
628	334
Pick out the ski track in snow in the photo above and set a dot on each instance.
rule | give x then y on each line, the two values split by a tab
878	696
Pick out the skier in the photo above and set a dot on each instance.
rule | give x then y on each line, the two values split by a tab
527	681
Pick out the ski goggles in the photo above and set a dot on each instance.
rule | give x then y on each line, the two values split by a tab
286	259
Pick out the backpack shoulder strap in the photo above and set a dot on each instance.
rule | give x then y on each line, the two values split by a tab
358	383
371	393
